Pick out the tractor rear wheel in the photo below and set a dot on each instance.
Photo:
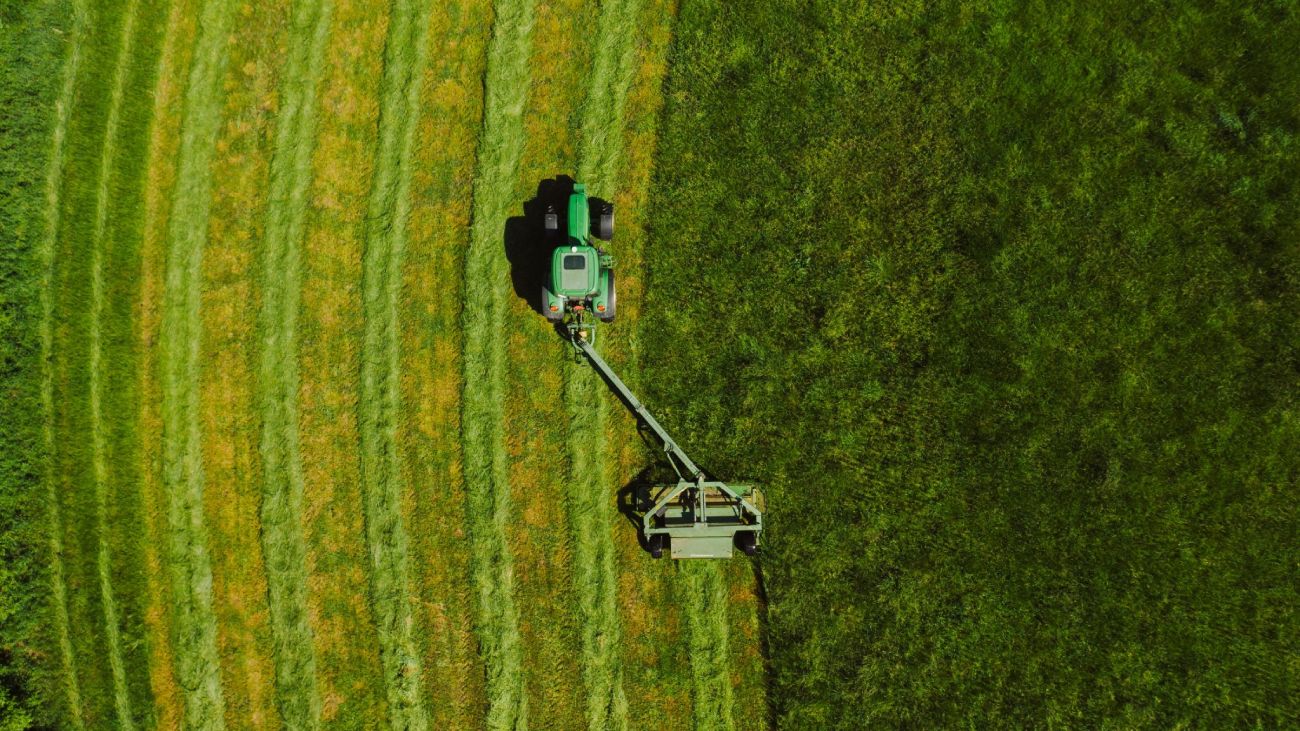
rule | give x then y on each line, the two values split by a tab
602	219
553	316
747	541
611	301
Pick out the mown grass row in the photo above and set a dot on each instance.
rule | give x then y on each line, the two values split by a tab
97	377
158	196
590	507
708	629
405	56
232	297
46	257
190	566
429	431
281	512
348	667
482	418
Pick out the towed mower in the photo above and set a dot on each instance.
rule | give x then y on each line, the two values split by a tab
695	517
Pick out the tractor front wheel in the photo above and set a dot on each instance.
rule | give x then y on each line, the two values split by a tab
602	219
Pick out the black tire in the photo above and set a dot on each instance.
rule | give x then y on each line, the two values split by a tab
747	541
602	219
611	301
656	544
545	304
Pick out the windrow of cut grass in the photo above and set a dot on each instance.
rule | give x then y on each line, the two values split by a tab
405	56
280	265
591	510
195	630
348	668
707	599
97	377
485	291
45	255
429	431
158	195
231	423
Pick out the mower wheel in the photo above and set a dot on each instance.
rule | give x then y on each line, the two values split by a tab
747	541
611	301
656	543
602	219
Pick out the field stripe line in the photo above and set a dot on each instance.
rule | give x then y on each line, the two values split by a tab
197	663
487	468
405	56
706	620
45	255
99	469
283	542
590	513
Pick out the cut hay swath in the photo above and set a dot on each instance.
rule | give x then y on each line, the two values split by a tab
706	625
45	255
482	422
195	628
98	438
281	272
385	238
590	512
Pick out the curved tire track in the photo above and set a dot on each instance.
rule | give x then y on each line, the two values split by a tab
99	468
53	222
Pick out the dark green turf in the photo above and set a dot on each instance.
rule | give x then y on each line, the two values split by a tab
1001	305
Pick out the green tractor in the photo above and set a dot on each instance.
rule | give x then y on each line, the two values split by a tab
579	288
695	517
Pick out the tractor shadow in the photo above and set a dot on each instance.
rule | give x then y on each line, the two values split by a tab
527	247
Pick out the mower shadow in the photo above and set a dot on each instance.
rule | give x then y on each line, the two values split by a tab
526	246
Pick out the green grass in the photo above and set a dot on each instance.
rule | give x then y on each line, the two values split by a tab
405	56
1011	346
482	421
197	667
39	54
281	264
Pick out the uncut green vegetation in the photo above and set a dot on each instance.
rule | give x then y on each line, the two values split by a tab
406	53
39	43
998	304
281	514
482	420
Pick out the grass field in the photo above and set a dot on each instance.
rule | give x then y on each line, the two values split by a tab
996	301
